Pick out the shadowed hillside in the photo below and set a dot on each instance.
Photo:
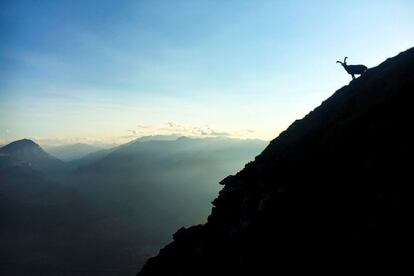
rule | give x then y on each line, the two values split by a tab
329	196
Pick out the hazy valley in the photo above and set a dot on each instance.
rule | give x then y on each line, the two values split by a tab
109	210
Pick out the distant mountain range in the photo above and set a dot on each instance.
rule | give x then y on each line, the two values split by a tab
70	217
72	151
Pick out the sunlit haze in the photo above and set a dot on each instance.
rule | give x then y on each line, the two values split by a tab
111	71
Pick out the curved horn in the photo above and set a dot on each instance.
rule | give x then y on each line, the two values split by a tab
345	59
339	61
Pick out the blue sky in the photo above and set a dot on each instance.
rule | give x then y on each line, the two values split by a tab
109	71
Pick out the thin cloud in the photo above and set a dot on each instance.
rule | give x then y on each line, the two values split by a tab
208	131
220	133
127	136
133	132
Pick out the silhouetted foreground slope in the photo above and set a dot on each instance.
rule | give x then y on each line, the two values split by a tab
329	196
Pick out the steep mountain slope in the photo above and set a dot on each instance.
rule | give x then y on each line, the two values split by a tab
329	196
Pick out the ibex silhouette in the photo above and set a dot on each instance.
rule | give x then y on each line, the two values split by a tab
353	69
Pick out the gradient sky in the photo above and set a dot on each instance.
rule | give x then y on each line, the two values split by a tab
108	71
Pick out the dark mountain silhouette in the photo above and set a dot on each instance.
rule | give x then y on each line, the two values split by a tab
329	196
27	152
72	151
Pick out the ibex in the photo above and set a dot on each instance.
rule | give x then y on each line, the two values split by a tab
353	69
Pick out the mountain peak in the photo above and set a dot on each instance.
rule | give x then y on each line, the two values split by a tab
27	151
23	144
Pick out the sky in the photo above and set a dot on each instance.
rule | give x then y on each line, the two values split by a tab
111	71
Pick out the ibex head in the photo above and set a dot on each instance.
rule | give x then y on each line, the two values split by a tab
342	63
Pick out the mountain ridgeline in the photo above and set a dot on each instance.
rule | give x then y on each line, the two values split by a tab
108	211
72	151
329	196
